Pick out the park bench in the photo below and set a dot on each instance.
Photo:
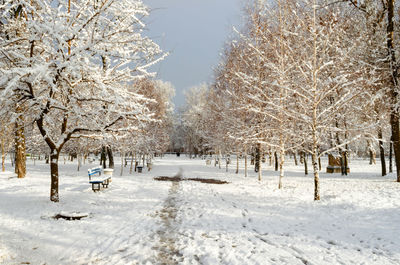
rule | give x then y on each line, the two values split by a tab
96	180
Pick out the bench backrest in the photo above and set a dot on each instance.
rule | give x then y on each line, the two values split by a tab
94	171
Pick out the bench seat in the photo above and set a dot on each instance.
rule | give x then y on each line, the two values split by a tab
96	180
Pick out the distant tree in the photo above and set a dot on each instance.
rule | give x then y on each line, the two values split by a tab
195	117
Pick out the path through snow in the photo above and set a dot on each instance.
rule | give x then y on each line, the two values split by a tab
168	253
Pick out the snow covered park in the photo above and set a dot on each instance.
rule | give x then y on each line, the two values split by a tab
297	83
138	220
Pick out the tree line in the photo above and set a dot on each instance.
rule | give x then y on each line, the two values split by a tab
308	77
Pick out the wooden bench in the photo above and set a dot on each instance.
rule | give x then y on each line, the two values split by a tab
97	180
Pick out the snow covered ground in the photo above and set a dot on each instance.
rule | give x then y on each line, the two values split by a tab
138	220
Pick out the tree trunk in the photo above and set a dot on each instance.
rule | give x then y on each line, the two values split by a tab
3	155
276	161
122	163
346	161
281	161
219	159
394	114
382	152
54	197
136	162
20	149
372	156
257	158
319	164
396	142
295	159
103	157
79	158
110	157
259	169
270	158
391	156
316	175
131	167
237	163
305	163
12	159
343	167
372	153
245	162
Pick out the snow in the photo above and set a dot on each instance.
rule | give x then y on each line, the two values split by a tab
138	220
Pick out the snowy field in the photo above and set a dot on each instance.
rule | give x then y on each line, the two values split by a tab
138	220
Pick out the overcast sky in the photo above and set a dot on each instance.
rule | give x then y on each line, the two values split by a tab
194	32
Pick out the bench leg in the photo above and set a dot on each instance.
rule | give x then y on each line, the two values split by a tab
106	182
96	188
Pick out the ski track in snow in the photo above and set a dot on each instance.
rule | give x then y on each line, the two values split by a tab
141	221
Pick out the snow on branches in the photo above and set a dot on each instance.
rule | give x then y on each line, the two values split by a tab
297	79
70	63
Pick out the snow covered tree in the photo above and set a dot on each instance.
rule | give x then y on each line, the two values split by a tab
154	135
380	56
327	80
16	111
194	119
298	75
268	84
394	88
70	66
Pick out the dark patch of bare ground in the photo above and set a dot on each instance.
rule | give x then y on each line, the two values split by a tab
164	178
69	218
202	180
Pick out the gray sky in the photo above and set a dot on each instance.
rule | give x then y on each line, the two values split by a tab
194	32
